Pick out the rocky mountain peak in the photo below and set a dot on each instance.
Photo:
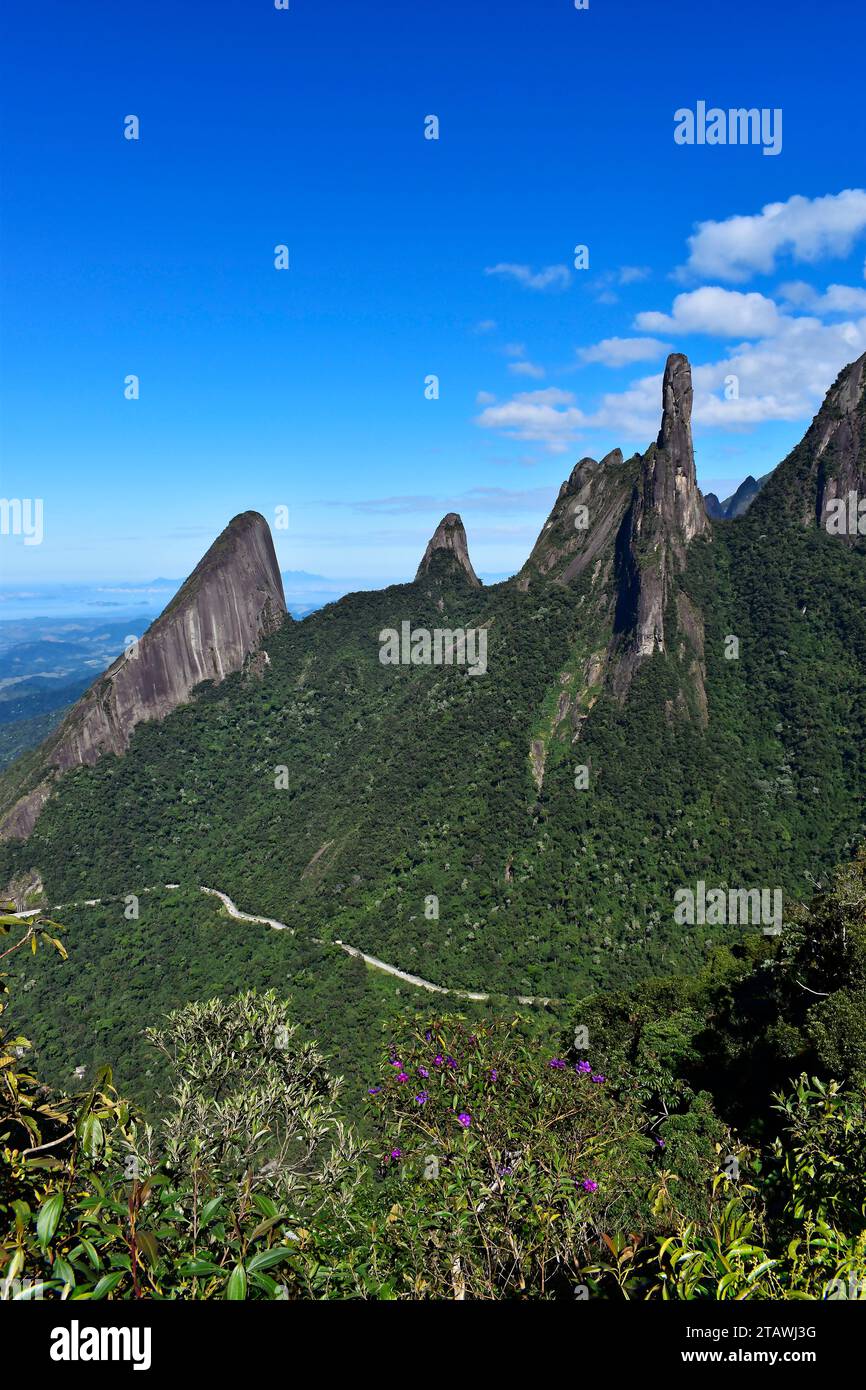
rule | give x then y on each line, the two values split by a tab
828	464
677	398
670	480
666	514
230	603
580	474
449	540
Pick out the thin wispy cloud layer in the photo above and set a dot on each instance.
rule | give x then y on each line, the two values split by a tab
605	285
551	277
488	499
525	368
805	229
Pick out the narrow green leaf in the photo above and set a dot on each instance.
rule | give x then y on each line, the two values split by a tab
236	1285
267	1258
48	1217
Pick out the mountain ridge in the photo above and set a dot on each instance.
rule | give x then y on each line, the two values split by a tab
527	829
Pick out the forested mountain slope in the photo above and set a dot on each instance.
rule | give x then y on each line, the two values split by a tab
440	819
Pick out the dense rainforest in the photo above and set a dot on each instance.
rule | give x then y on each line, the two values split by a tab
425	788
693	1138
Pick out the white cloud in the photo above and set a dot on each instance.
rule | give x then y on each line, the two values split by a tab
621	352
807	229
485	326
784	377
485	398
551	277
780	377
797	294
627	274
548	417
717	311
603	284
836	299
524	368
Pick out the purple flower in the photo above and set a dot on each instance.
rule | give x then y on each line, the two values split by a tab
396	1153
493	1073
449	1062
465	1119
438	1060
422	1071
660	1142
404	1076
583	1066
504	1170
428	1036
598	1079
395	1062
373	1090
589	1186
421	1098
557	1063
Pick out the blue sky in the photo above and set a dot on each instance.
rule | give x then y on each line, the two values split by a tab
408	257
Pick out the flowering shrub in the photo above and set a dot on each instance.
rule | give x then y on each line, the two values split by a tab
504	1167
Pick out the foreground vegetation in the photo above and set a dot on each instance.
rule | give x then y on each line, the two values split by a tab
490	1164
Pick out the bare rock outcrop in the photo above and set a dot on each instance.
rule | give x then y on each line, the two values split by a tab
230	603
827	466
666	514
448	541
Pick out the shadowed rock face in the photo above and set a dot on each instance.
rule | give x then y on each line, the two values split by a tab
449	539
738	503
828	463
674	494
229	604
628	524
666	514
581	529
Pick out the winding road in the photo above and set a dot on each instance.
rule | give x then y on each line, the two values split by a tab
373	961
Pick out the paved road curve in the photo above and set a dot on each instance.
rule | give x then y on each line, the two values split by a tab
372	961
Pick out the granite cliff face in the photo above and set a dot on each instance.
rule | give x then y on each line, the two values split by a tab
666	513
231	602
828	463
583	525
626	524
619	533
448	542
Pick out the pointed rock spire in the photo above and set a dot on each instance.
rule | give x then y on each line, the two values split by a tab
672	485
666	513
449	539
232	601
